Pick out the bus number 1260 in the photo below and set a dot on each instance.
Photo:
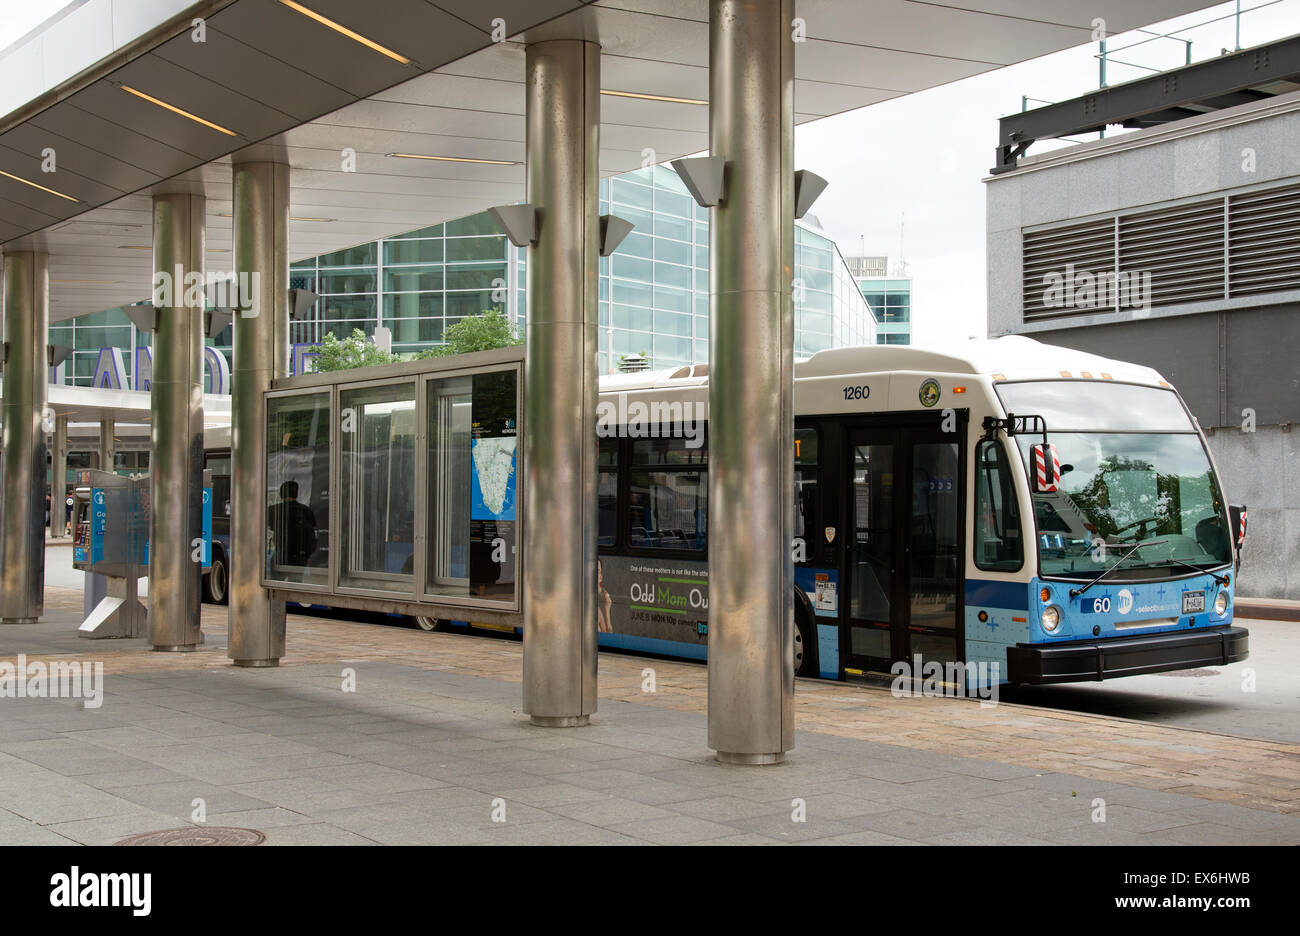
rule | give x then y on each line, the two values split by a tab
857	393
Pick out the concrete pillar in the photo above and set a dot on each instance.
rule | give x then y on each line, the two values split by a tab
107	447
59	478
176	404
261	353
22	464
563	117
751	383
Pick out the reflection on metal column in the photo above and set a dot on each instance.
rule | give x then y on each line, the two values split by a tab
59	478
22	532
261	235
176	404
106	447
751	374
559	536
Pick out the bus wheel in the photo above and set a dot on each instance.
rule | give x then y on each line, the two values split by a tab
216	584
805	631
428	623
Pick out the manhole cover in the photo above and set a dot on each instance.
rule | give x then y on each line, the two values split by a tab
196	835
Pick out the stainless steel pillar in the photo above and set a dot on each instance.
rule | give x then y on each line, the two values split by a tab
22	465
751	381
107	447
261	352
559	535
176	404
59	478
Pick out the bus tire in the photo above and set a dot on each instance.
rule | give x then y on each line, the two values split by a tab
427	623
216	581
805	635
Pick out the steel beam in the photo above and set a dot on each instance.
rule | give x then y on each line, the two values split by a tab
1215	83
26	374
261	354
559	535
751	382
176	406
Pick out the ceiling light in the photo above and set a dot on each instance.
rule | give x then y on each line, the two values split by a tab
653	97
340	28
176	110
461	159
227	214
8	175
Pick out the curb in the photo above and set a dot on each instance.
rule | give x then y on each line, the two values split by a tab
1264	608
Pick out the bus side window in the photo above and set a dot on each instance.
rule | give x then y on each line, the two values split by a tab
999	546
668	490
607	509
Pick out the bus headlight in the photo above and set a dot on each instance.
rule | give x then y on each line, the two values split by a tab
1051	619
1221	603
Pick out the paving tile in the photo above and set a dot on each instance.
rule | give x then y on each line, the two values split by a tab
317	833
608	811
177	798
675	830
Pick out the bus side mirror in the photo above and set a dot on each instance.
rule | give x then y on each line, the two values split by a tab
1237	514
1046	469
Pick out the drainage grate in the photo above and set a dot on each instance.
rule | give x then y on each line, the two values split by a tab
198	835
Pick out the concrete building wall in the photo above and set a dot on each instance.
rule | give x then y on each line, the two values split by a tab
1233	359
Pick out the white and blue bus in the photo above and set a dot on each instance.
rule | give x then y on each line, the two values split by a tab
1006	503
923	527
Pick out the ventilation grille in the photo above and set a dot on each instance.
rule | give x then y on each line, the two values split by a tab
1056	260
1220	248
1264	241
1175	255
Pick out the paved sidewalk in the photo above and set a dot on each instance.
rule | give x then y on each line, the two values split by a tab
432	742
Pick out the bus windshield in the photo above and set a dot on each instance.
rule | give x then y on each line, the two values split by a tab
1133	471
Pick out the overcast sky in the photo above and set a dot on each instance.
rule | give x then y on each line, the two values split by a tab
909	171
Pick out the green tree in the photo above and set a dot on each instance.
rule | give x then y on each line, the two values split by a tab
482	332
354	351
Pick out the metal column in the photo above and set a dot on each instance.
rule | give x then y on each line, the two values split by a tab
261	353
176	404
107	448
22	470
59	478
559	535
751	380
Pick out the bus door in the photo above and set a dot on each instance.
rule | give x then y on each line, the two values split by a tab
902	555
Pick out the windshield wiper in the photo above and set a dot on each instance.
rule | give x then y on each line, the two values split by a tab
1076	592
1220	579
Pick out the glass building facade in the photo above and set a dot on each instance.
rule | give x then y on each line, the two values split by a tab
890	298
654	290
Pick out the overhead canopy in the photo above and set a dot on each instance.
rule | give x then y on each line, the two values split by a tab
92	404
278	83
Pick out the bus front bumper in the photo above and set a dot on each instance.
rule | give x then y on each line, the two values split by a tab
1095	660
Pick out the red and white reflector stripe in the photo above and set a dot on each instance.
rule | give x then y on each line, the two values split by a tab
1047	481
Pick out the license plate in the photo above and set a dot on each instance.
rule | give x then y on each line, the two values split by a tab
1193	602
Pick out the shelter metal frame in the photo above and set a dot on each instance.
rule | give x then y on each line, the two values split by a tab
414	599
